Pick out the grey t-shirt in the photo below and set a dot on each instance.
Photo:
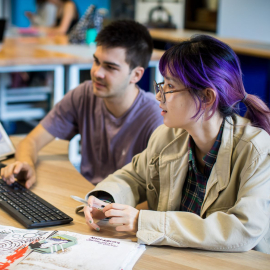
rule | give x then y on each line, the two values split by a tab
107	142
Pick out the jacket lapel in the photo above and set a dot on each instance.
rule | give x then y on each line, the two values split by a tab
220	175
173	165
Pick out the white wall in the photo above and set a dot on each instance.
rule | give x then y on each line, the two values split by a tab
176	10
244	19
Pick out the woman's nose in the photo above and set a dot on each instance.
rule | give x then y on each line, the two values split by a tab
158	96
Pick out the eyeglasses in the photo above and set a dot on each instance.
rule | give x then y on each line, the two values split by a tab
158	88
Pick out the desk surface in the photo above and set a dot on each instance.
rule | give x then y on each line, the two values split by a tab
245	47
58	179
32	51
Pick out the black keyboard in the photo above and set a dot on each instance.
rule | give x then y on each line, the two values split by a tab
28	208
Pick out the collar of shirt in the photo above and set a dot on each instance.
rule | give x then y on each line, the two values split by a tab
209	159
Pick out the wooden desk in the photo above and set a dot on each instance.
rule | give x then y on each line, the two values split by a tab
26	51
32	51
57	180
245	47
30	54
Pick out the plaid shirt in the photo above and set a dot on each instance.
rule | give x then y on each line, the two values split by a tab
195	183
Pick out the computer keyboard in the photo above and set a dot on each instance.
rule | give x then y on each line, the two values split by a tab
28	208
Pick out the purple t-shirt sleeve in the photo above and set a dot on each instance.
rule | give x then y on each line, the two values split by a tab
62	120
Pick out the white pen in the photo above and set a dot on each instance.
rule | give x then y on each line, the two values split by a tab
99	207
76	198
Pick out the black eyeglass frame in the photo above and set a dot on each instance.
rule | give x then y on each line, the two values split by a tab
158	88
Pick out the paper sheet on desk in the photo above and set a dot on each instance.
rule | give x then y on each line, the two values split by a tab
90	252
14	244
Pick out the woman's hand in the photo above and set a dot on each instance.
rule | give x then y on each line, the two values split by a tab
122	214
94	210
29	15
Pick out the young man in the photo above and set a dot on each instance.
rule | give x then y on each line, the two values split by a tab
114	117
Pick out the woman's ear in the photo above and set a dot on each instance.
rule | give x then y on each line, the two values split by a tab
136	74
209	97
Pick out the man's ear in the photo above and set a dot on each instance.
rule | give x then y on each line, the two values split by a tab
209	97
136	74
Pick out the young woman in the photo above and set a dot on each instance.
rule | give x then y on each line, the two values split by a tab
206	173
67	16
45	15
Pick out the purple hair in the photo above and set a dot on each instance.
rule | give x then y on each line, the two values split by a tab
205	62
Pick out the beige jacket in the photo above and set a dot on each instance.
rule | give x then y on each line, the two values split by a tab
235	213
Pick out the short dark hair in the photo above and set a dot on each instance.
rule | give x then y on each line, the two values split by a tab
130	35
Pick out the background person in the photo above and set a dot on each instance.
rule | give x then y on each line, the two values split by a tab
67	16
114	117
54	17
45	16
206	172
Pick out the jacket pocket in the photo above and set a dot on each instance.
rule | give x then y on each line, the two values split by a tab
154	168
152	194
153	185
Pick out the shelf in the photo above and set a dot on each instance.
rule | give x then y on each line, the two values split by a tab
205	26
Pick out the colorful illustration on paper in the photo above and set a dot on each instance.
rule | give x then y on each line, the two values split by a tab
14	244
64	250
53	244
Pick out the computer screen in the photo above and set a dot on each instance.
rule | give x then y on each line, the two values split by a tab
2	29
6	147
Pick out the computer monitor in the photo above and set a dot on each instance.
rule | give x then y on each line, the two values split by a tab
6	147
2	30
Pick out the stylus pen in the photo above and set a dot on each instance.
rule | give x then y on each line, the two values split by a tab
76	198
